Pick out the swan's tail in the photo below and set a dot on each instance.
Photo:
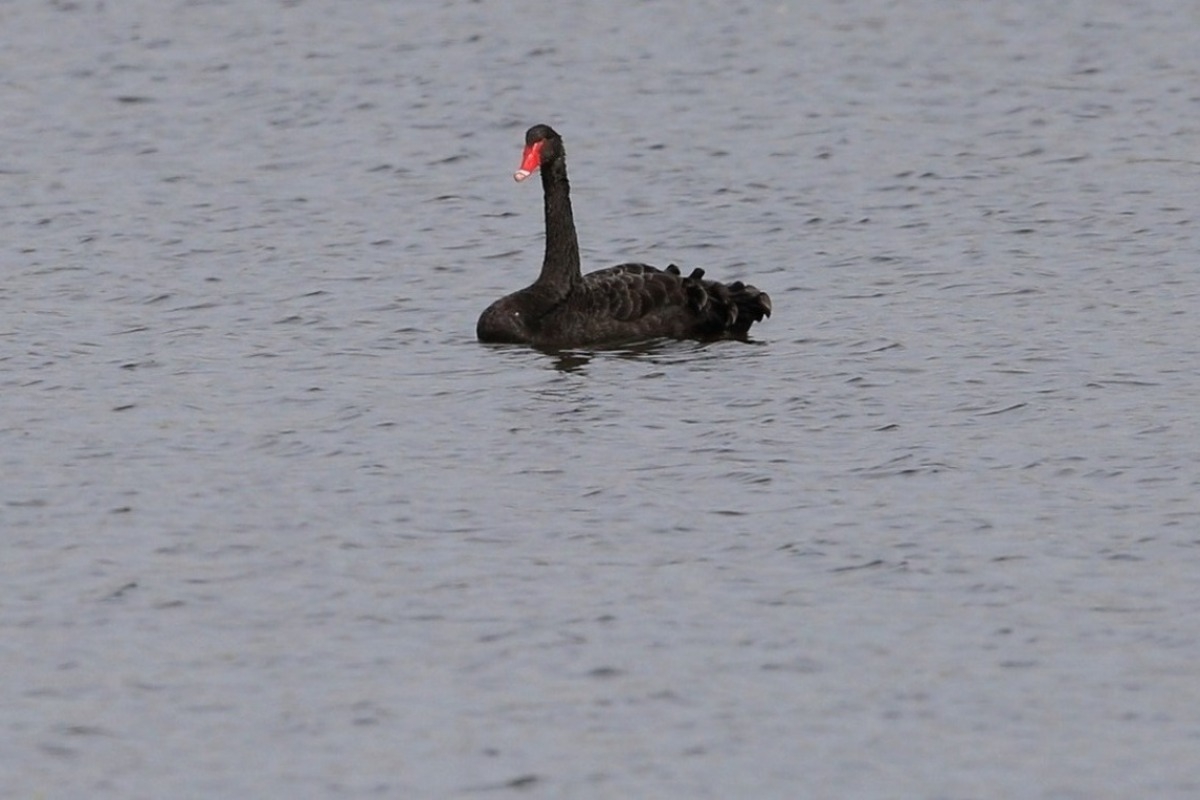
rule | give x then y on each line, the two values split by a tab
751	304
731	308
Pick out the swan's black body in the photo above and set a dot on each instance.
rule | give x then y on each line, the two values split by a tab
629	302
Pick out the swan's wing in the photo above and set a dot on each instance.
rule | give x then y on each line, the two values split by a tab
629	292
643	300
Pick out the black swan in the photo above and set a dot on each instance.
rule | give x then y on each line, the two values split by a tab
625	303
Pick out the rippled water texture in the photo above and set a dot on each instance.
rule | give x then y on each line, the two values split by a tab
276	525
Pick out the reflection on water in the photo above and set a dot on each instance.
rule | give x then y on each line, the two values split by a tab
576	360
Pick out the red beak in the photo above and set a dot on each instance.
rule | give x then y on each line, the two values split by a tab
530	160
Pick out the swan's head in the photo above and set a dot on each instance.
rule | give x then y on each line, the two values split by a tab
542	145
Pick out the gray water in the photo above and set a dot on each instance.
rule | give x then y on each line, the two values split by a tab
276	525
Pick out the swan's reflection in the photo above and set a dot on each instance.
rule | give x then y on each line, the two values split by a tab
576	360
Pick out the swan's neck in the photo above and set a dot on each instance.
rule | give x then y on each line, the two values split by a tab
560	267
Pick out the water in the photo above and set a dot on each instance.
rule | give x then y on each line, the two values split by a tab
277	526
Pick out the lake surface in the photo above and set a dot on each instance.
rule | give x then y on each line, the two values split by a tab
276	525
